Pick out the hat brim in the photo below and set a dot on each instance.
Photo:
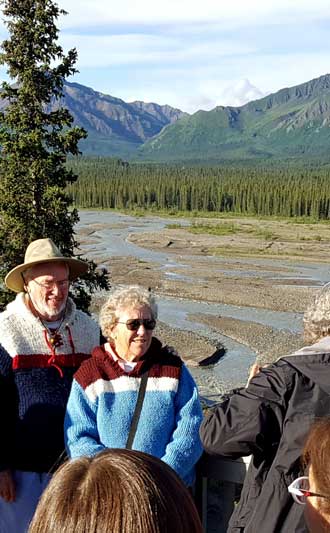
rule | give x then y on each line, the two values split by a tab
15	282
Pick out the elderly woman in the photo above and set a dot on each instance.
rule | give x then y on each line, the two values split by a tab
269	419
133	372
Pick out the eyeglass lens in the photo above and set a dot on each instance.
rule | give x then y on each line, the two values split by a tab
63	284
134	323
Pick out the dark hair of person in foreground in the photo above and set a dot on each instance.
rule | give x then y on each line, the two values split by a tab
117	491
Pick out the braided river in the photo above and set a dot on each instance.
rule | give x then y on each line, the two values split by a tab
111	234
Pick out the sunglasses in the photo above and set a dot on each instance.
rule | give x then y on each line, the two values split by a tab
133	324
299	489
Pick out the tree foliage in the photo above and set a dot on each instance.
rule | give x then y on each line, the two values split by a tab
36	136
286	192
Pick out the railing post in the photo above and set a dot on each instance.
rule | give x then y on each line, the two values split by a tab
228	473
201	494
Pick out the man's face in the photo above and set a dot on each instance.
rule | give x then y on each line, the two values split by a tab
48	287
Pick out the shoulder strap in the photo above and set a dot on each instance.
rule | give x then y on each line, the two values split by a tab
137	411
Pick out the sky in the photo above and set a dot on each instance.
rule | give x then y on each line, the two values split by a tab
196	54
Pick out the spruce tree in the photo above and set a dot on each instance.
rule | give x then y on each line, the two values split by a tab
36	136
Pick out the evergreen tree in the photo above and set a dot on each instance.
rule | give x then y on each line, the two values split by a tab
36	136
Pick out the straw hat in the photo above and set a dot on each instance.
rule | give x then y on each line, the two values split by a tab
42	251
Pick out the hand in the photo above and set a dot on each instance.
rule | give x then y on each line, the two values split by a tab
7	486
254	370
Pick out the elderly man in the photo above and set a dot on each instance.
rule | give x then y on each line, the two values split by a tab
43	338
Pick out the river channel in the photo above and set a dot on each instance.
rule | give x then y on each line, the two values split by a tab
110	238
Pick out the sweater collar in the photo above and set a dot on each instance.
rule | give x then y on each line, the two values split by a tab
150	357
321	346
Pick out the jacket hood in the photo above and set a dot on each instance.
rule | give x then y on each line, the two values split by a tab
313	362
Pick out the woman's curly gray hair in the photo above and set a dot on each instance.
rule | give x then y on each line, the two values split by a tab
317	317
132	297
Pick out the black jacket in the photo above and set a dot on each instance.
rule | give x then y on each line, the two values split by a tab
270	419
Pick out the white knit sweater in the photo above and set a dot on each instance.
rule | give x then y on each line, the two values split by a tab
22	333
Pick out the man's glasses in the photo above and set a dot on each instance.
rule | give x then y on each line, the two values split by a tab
49	285
299	489
133	324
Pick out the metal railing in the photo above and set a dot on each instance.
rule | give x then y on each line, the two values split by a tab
216	503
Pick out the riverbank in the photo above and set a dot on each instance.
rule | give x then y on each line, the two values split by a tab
262	265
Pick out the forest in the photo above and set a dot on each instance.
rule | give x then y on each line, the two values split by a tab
286	192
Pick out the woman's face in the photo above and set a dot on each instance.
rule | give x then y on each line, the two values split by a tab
316	519
132	345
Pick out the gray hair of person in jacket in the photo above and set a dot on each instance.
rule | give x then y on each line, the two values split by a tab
116	491
316	323
317	317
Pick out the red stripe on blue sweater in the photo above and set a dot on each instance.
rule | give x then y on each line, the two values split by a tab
102	366
23	362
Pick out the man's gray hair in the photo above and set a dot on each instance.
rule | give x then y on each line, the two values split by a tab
131	297
317	317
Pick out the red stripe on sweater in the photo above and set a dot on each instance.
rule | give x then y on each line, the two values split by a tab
23	362
102	366
164	371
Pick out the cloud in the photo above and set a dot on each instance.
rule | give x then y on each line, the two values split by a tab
239	93
196	55
133	49
212	93
97	12
207	83
108	50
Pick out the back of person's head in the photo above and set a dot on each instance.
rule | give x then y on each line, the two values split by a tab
117	491
316	457
317	316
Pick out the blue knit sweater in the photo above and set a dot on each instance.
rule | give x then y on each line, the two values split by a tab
103	399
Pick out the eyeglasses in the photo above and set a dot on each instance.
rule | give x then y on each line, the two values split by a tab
299	489
49	285
133	324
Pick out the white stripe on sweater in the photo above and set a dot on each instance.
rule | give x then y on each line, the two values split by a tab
127	383
22	333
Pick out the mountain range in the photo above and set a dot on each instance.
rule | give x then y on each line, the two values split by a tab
115	127
291	124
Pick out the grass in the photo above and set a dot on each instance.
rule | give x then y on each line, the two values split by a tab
306	220
173	212
175	226
265	234
215	229
225	251
229	228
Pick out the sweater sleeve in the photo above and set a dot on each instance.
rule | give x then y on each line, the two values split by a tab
80	424
185	448
250	421
8	400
